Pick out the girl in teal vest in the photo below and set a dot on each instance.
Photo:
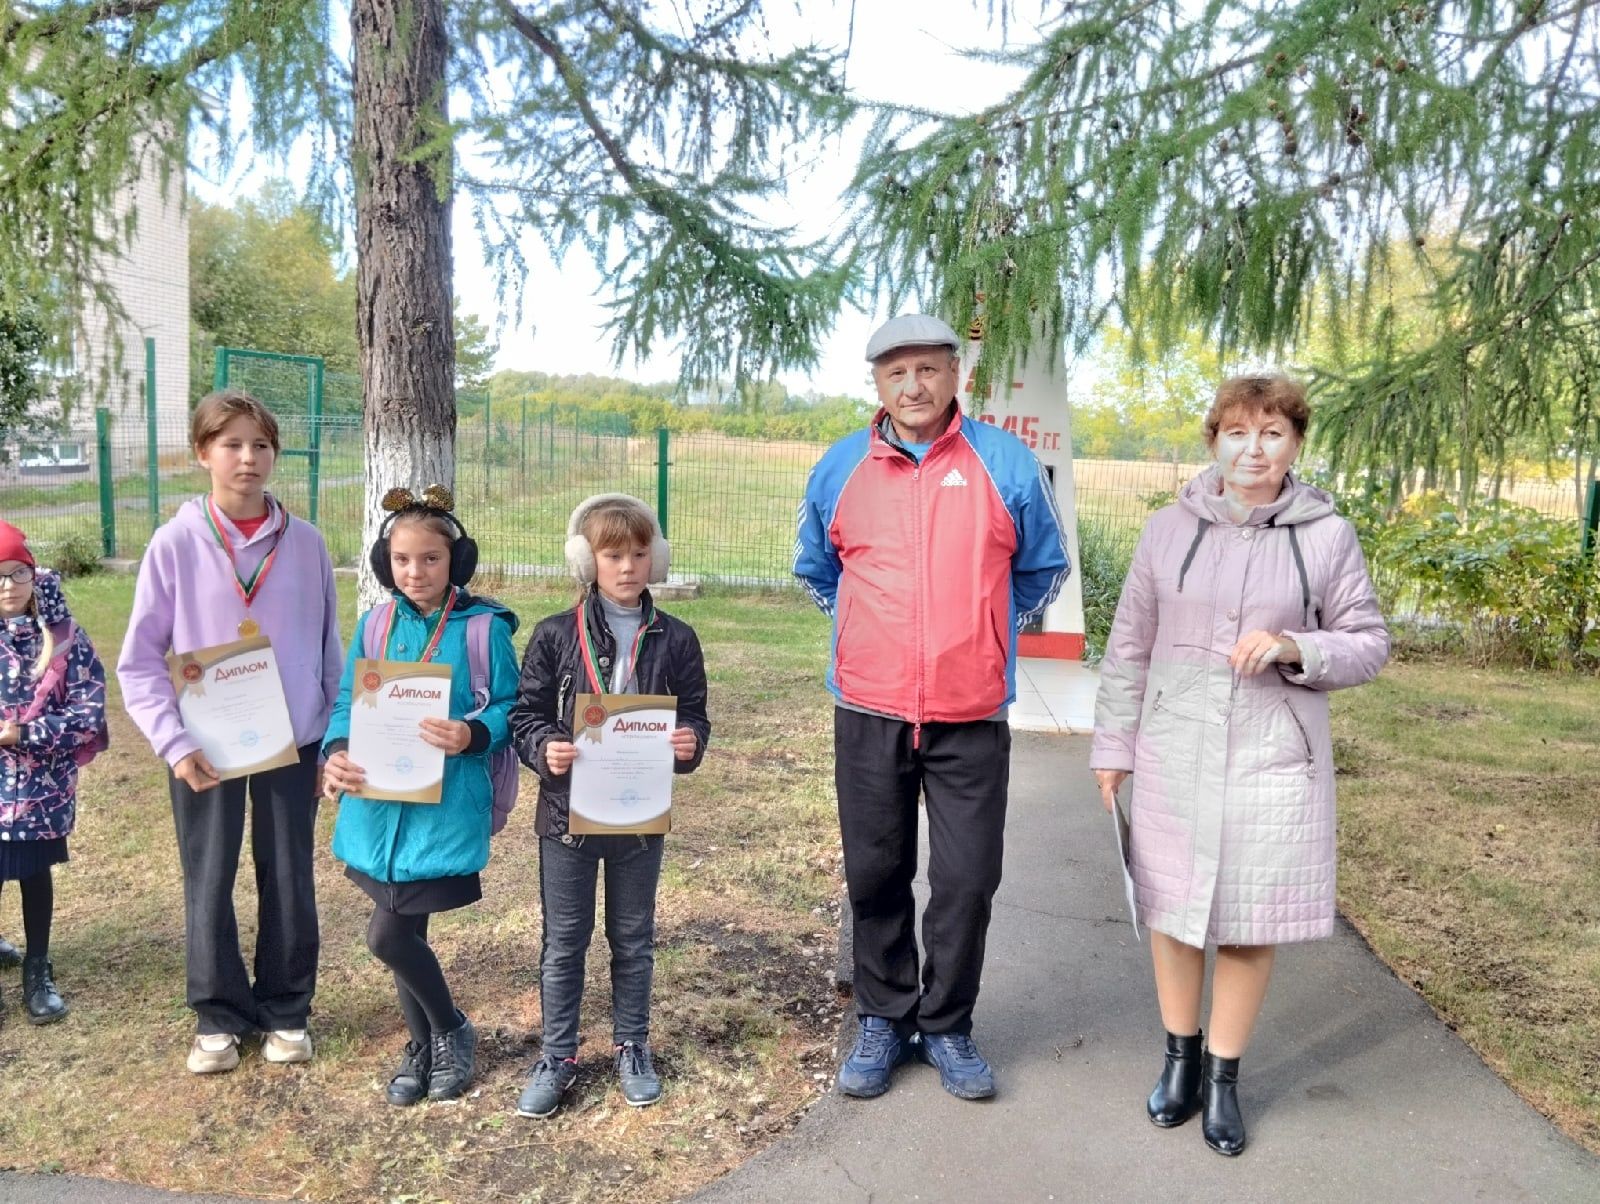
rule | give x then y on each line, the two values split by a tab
416	859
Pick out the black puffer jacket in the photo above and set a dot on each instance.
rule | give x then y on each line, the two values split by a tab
670	662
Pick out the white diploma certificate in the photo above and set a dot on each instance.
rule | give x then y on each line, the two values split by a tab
622	775
230	697
1119	821
388	702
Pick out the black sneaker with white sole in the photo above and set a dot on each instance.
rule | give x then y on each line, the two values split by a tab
547	1083
637	1074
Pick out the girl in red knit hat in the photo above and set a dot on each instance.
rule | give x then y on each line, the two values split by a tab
52	720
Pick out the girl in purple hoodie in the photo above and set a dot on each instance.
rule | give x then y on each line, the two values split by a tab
230	565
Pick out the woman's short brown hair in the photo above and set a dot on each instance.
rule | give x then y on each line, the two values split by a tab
218	409
619	525
1259	394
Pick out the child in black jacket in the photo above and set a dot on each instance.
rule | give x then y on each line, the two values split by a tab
613	641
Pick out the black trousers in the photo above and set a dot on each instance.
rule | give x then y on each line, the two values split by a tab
283	817
961	771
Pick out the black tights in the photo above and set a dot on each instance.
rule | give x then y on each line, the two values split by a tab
38	906
401	943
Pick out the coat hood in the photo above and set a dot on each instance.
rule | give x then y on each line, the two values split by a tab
191	516
1296	504
52	601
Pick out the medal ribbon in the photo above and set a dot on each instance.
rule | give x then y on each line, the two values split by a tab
247	589
434	636
592	666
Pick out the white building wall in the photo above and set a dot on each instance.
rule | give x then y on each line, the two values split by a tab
151	279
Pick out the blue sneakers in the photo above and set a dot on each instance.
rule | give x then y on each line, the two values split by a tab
879	1049
962	1070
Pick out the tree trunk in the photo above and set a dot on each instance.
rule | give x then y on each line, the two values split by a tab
403	264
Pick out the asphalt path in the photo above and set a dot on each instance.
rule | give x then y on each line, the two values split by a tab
1352	1089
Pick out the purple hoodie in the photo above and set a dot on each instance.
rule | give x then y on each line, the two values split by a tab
186	599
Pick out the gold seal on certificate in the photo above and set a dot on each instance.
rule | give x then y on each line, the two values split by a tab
231	699
622	775
388	702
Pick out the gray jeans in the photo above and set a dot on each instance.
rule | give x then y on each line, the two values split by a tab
568	871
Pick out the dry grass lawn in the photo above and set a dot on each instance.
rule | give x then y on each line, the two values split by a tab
1470	860
745	1016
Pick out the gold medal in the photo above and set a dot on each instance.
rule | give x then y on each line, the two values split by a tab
248	627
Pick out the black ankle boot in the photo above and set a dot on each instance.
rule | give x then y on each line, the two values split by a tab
1220	1121
39	993
454	1054
9	954
1177	1094
410	1082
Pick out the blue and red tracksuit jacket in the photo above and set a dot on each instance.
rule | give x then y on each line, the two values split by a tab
929	570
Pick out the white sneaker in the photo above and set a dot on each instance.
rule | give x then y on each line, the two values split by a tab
284	1045
213	1053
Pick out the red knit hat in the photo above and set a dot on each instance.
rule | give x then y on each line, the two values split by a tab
14	544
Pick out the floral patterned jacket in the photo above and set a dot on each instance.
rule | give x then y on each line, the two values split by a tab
39	774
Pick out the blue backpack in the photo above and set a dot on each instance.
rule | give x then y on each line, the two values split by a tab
504	770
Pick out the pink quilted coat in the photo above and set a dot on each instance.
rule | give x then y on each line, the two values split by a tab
1233	811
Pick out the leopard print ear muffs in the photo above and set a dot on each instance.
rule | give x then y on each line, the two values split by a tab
435	500
580	556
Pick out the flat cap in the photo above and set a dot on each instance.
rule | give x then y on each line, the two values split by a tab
910	330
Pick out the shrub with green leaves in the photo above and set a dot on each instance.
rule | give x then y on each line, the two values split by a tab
1104	555
74	556
1512	581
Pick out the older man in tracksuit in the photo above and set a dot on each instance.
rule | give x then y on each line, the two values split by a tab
930	539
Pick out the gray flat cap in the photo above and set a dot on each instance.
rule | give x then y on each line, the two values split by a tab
910	330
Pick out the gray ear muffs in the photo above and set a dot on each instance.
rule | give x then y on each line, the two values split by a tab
580	556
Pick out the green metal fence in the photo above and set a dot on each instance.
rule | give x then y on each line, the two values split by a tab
728	504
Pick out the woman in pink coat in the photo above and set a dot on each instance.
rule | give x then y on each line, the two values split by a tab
1247	602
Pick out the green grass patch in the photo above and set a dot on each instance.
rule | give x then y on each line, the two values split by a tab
1470	860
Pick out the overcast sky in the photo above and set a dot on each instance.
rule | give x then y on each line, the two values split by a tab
900	50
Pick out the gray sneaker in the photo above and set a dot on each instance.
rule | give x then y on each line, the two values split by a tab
213	1053
640	1086
286	1045
547	1083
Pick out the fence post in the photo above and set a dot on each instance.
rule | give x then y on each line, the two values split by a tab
152	442
108	493
488	441
219	372
314	444
523	439
661	476
1591	516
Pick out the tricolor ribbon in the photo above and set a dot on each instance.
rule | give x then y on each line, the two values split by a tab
247	589
586	643
434	636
